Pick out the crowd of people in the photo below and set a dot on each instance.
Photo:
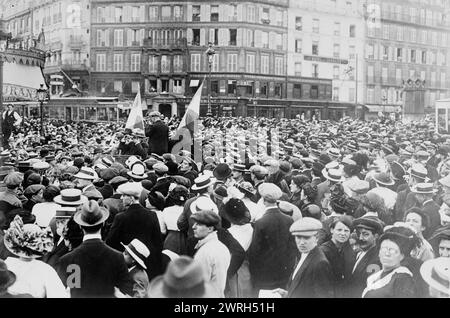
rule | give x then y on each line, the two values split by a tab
324	209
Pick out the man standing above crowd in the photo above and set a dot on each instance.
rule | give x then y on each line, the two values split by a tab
11	119
158	134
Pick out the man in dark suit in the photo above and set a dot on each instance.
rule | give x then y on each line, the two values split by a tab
368	229
94	269
312	277
272	251
424	194
137	222
158	134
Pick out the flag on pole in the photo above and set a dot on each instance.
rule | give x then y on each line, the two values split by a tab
135	120
190	118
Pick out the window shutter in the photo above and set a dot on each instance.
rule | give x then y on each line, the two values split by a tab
106	37
241	12
285	41
189	35
110	14
109	62
126	14
223	13
141	36
129	35
273	16
239	38
272	41
142	14
189	12
205	13
258	38
202	37
223	37
211	35
259	14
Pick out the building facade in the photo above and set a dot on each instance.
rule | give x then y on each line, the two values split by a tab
326	40
160	48
407	40
66	26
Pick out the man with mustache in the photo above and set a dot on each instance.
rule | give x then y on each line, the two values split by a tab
368	229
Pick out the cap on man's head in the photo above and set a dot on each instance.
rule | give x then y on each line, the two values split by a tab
270	192
306	226
208	218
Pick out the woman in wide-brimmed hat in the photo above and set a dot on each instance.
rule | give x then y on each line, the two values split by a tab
175	240
239	283
29	242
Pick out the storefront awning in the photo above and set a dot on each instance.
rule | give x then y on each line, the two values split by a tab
20	81
383	108
194	83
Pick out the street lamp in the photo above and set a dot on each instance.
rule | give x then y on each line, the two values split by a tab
384	100
4	39
210	52
42	95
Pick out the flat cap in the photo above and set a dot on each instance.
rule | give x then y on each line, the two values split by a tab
259	171
270	192
359	186
33	189
41	165
305	227
369	222
118	180
160	167
108	174
133	189
13	179
93	194
208	218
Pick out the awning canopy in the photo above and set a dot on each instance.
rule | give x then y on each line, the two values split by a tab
20	81
383	108
194	83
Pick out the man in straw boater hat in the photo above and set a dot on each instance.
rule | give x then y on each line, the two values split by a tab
383	181
272	251
312	276
137	222
238	173
184	278
424	194
101	269
135	255
406	199
436	273
84	178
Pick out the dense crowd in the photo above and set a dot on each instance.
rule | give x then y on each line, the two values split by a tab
256	207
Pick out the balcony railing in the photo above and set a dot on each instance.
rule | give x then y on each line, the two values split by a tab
74	65
165	43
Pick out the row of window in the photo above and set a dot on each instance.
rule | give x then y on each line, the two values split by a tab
169	64
400	75
118	62
406	55
409	34
411	14
195	37
298	48
394	95
194	13
315	27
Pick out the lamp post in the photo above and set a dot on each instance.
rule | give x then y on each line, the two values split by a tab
4	39
210	52
384	100
42	95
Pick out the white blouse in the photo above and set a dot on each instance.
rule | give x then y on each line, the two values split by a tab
36	278
170	217
243	234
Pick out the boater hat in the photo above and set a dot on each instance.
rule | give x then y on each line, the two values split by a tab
436	273
202	181
71	197
138	251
